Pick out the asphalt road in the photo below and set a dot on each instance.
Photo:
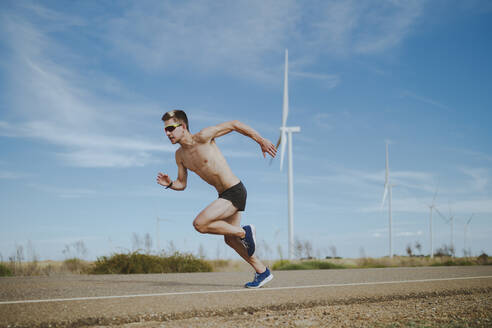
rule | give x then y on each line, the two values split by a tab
80	300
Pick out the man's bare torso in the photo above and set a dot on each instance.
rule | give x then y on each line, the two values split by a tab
207	161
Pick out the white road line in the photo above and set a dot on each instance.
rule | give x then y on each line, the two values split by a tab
238	290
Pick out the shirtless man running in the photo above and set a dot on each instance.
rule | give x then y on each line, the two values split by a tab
200	154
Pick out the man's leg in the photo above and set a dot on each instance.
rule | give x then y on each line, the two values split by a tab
222	218
236	244
213	219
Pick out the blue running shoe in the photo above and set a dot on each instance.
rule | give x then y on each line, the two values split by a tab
260	279
249	240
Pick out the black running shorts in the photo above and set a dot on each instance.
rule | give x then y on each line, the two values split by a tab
237	195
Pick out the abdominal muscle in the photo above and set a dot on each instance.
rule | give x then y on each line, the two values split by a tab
207	161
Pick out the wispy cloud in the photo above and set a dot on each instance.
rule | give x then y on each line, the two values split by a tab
383	233
330	81
56	100
420	205
426	100
475	154
96	158
481	205
323	120
412	193
59	104
406	179
479	176
9	175
401	204
65	192
352	27
169	35
387	25
409	233
423	181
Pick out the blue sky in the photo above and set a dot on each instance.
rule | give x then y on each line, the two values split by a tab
83	87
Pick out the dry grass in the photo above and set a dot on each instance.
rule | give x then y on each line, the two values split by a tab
414	261
77	266
46	268
383	262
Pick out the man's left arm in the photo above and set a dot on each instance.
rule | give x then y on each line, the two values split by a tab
227	127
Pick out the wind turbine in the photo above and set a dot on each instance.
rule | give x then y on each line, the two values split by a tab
449	221
432	206
286	133
388	186
466	235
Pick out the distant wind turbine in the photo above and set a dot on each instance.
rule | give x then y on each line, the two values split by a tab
466	236
388	186
432	206
286	137
450	222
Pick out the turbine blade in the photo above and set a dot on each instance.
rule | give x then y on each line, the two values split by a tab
386	180
386	177
285	106
384	194
282	150
441	215
285	110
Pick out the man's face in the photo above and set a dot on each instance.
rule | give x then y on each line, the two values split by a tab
173	132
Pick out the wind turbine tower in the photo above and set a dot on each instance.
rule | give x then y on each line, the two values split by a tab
467	251
432	207
286	137
388	186
451	222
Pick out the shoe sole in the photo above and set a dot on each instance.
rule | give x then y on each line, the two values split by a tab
267	279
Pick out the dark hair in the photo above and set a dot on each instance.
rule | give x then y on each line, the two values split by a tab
178	115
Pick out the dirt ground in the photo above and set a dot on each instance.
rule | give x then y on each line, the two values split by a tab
466	308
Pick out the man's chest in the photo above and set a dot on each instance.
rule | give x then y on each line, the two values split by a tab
197	157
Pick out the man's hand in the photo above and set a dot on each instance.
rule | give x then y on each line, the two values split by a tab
163	179
267	147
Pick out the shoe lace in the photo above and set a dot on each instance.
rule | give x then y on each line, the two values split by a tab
244	242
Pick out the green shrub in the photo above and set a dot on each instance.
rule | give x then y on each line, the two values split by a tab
5	271
483	259
305	265
143	263
278	265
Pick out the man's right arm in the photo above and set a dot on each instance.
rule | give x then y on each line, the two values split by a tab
180	182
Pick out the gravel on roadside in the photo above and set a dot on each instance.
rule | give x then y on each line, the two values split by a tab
461	308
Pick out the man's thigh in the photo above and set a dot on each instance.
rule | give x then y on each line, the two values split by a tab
219	209
234	219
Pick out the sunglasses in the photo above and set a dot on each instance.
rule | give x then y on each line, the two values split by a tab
170	128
